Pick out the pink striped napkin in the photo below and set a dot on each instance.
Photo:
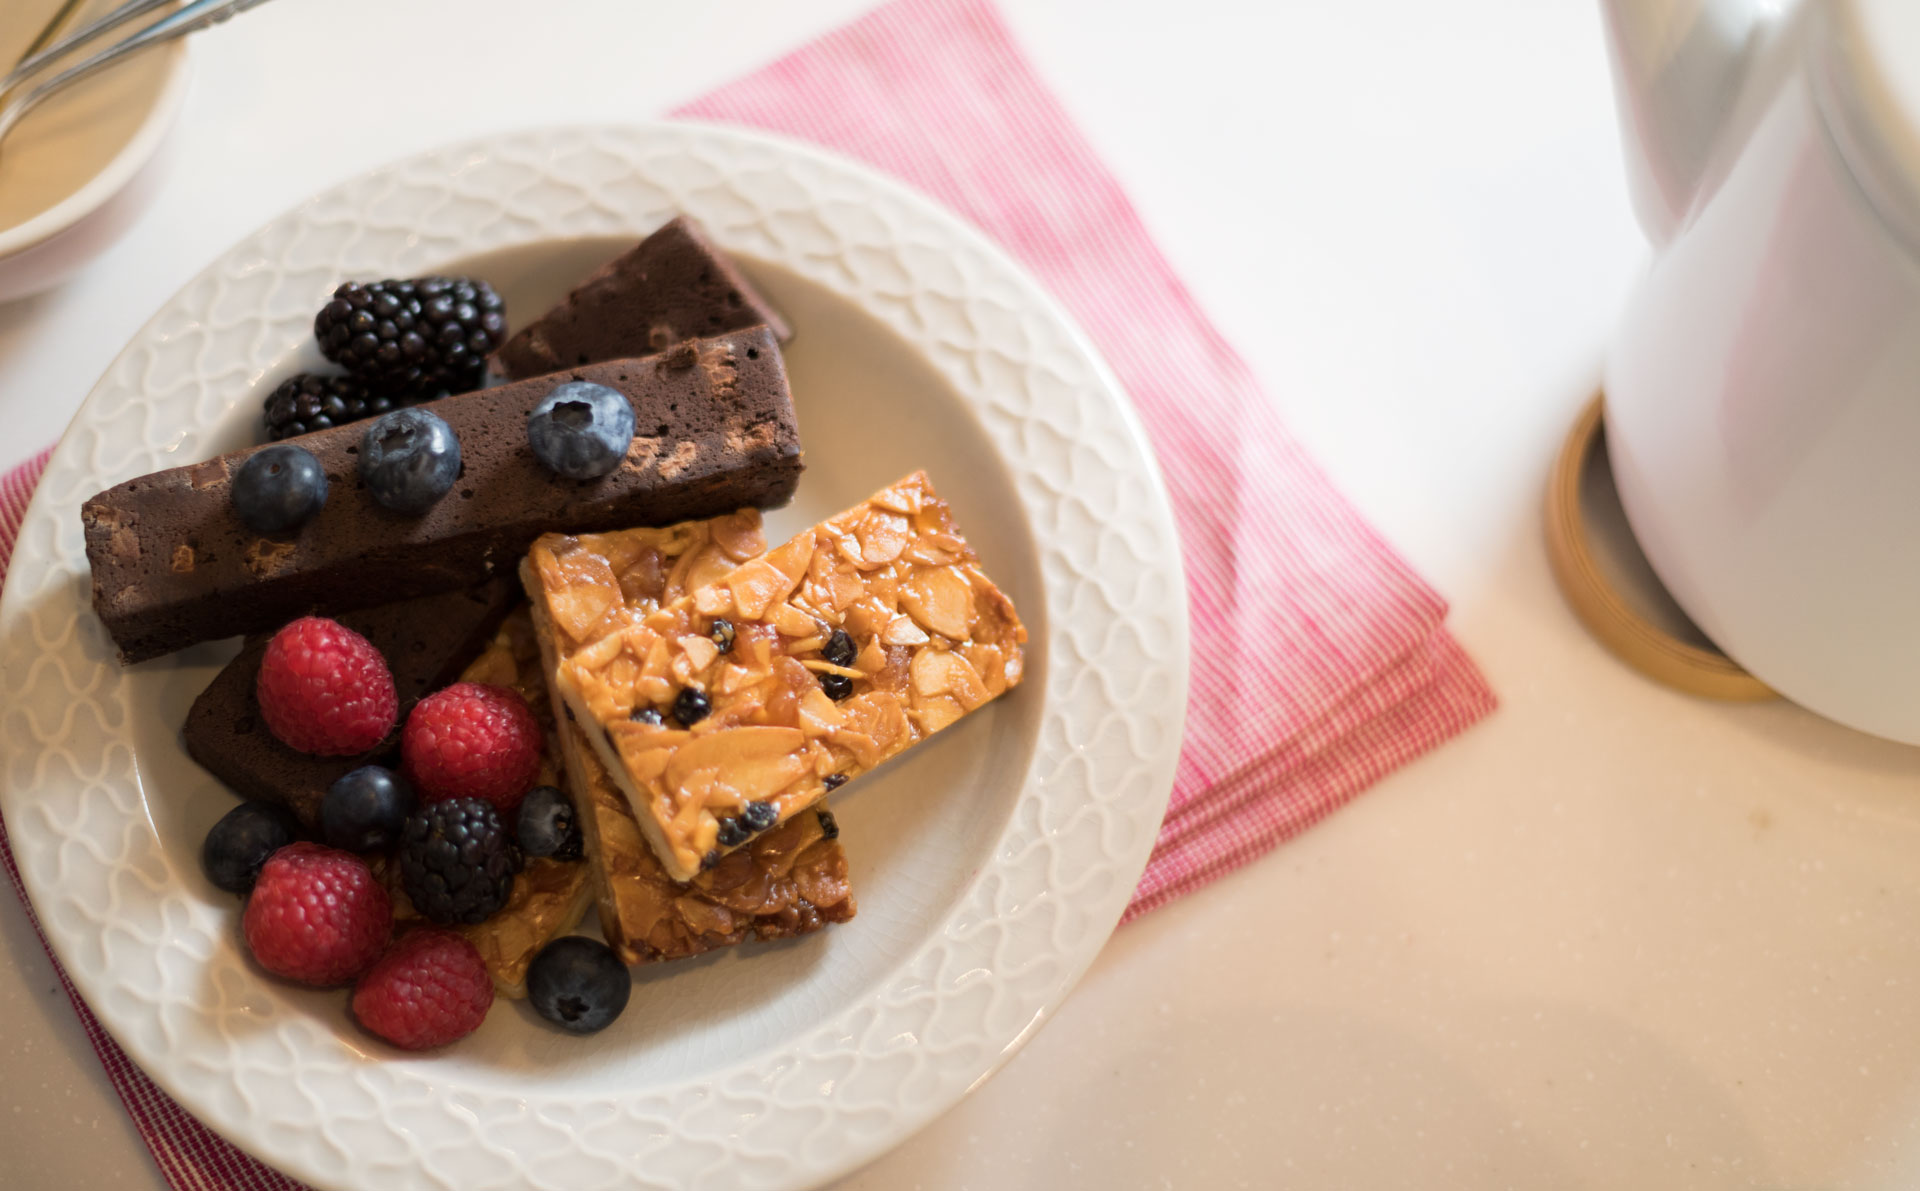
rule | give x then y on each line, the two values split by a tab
1353	675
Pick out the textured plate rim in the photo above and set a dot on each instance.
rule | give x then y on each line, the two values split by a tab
752	1086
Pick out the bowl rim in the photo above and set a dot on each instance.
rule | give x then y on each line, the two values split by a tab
119	170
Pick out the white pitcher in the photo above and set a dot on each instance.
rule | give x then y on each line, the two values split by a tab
1763	394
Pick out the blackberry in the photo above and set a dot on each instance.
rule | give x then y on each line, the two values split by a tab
304	403
427	332
457	861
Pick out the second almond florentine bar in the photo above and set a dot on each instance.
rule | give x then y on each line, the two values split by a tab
730	710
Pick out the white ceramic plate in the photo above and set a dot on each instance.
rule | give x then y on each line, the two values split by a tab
990	864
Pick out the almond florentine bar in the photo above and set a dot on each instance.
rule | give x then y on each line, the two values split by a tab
790	882
732	709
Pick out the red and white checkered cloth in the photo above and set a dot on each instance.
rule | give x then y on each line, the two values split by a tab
1354	675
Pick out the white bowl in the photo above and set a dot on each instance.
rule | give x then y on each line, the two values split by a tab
109	131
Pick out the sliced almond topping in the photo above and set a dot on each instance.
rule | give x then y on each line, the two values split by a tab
940	600
792	557
733	679
739	534
921	554
714	600
597	655
904	499
709	564
929	670
844	588
819	714
700	651
870	659
821	666
879	716
758	585
882	537
990	664
964	683
750	763
808	644
866	751
587	590
848	547
649	764
655	690
902	631
659	659
792	621
936	713
867	619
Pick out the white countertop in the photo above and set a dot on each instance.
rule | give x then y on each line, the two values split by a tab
1612	937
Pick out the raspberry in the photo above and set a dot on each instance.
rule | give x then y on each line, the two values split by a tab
325	689
317	915
430	989
472	741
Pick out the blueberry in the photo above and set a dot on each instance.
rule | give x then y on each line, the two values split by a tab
722	633
829	826
645	715
581	430
733	833
241	842
760	815
578	984
839	648
364	810
837	686
279	488
710	860
690	707
409	459
548	825
833	781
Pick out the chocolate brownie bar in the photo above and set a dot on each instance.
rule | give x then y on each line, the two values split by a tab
173	565
675	285
426	642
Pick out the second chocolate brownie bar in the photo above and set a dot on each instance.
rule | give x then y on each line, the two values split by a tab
173	565
425	641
